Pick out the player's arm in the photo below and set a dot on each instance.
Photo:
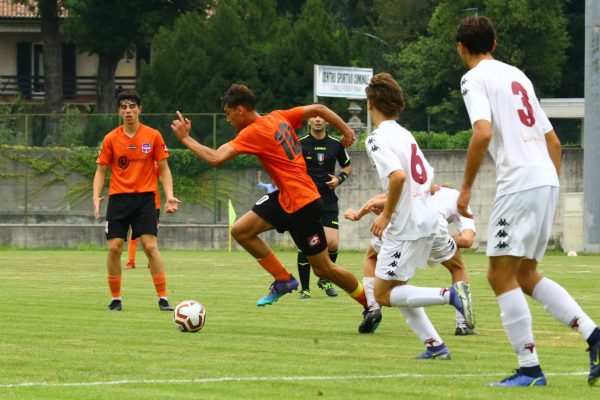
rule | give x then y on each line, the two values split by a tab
482	135
98	185
374	204
182	127
396	182
319	110
166	180
554	149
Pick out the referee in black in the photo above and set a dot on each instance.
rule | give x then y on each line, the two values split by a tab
321	153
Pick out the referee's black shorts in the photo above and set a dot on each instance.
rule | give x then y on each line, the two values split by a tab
304	225
137	210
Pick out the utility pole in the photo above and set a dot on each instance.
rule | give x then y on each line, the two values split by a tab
591	137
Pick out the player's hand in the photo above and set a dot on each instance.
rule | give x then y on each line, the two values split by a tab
181	127
349	138
350	214
334	182
96	203
379	225
172	204
462	203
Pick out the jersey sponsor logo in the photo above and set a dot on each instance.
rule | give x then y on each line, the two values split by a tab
132	147
313	241
146	148
320	148
390	273
465	91
123	162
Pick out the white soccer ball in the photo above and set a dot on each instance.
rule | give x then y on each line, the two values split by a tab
189	316
572	253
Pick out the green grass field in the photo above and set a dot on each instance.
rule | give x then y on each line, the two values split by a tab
58	342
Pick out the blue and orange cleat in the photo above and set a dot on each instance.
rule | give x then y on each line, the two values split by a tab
278	289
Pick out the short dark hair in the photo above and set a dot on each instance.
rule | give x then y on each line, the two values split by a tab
385	94
477	34
238	95
129	95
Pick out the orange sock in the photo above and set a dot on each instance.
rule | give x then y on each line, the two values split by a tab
359	295
114	283
273	266
160	283
131	248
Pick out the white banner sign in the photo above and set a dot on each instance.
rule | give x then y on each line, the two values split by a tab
345	82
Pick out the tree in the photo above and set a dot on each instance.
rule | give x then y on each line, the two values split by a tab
49	10
110	28
531	34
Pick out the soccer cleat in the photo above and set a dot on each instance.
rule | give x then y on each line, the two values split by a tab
371	320
305	294
115	305
594	364
130	265
327	286
460	298
518	379
163	305
464	330
429	354
278	289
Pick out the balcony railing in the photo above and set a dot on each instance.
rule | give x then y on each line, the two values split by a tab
74	88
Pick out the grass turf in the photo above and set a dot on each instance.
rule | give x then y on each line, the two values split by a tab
58	341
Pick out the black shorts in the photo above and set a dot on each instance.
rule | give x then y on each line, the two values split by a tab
330	215
135	210
304	225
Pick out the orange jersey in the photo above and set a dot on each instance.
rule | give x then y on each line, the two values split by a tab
132	160
157	194
272	139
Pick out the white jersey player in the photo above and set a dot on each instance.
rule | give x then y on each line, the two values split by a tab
408	222
509	123
445	249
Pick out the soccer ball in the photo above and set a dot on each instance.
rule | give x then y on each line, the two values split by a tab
189	316
572	253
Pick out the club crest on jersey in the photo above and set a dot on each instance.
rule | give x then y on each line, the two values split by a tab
146	148
313	241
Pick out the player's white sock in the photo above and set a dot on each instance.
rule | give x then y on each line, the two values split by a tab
369	285
415	296
421	325
516	319
559	303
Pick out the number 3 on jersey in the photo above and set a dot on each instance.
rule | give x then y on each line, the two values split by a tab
417	168
526	116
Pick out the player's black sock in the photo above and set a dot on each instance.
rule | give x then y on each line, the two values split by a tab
594	337
303	271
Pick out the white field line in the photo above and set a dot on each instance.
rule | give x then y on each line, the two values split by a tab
261	379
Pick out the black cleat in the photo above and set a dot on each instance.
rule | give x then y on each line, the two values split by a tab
371	320
464	330
115	305
327	286
164	305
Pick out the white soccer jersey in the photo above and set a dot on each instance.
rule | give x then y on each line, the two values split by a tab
390	148
445	202
502	94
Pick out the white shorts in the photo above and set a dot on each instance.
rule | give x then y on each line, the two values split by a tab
444	247
521	223
398	259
